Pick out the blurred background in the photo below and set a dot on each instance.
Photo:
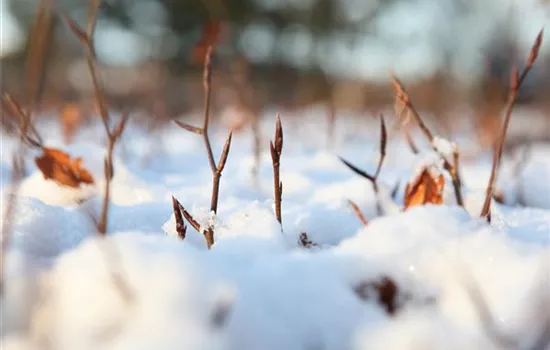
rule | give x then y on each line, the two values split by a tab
288	53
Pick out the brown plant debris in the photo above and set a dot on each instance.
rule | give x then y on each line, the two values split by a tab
58	166
385	291
305	241
389	294
425	188
410	142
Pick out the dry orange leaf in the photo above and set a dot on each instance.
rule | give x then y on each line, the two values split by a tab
58	166
427	188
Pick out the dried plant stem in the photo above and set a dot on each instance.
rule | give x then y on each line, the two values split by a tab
216	169
108	169
515	84
276	149
410	141
207	85
402	96
27	132
113	135
374	178
457	184
358	212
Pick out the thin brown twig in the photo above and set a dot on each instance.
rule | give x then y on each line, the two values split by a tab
87	41
179	210
383	143
92	15
516	82
374	178
27	132
109	172
410	141
358	212
276	149
403	97
189	218
395	189
181	229
113	135
216	169
207	85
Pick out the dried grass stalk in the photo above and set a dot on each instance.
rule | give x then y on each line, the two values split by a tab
516	81
358	212
86	38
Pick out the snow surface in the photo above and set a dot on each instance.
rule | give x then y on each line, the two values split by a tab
257	288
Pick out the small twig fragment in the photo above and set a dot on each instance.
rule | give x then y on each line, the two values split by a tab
181	229
190	218
189	127
410	141
305	241
358	171
383	144
216	170
358	212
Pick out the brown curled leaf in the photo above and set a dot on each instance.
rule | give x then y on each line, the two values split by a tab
58	166
426	188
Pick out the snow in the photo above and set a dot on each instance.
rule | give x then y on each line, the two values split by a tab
257	288
444	147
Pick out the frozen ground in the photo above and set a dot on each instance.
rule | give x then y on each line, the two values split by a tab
257	288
